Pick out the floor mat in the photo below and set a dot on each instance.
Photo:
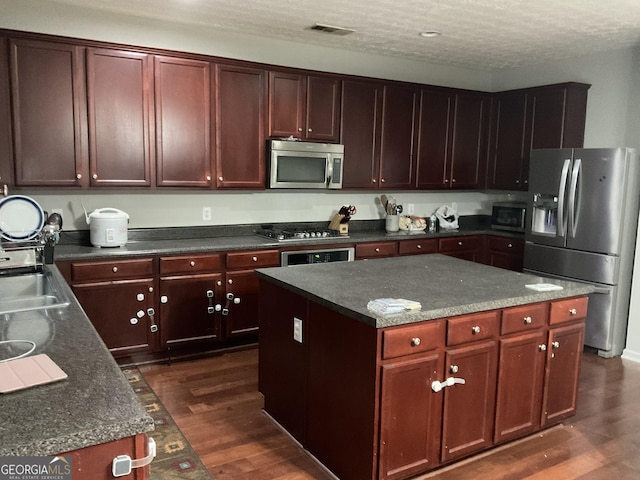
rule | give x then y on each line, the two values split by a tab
175	458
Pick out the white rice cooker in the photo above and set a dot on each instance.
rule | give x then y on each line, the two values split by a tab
107	227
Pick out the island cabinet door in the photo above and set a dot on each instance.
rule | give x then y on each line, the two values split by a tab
468	415
410	417
562	372
519	394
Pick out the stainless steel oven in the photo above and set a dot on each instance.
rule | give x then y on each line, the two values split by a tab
317	255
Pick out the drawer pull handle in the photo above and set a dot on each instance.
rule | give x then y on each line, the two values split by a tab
454	369
510	246
460	243
255	259
573	311
415	341
192	263
528	320
115	269
418	247
475	330
377	249
542	347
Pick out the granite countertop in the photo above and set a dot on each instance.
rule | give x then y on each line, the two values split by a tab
94	405
444	286
187	240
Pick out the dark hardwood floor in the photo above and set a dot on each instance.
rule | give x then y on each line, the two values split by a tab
216	403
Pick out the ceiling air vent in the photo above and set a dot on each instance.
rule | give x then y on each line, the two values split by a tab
319	27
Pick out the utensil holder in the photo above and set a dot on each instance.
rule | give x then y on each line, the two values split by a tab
392	223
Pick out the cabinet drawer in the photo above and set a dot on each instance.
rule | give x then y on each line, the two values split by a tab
414	247
422	337
470	328
524	319
373	250
568	310
111	270
514	246
456	244
254	259
190	264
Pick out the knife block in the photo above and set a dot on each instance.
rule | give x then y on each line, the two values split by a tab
337	225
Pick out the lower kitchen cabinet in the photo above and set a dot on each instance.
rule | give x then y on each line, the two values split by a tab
505	252
465	247
122	312
376	250
119	299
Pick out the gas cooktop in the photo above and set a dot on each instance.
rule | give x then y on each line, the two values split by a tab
293	234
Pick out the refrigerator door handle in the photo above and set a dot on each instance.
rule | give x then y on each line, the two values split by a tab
561	194
573	197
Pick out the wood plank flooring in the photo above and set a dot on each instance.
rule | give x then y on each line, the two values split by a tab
216	403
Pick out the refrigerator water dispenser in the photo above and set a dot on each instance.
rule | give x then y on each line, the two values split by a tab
545	214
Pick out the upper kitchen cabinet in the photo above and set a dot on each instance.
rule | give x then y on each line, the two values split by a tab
304	106
361	125
47	99
239	118
119	97
452	139
551	116
183	122
6	147
397	147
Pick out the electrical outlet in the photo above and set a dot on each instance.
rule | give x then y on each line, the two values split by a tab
297	329
410	208
206	213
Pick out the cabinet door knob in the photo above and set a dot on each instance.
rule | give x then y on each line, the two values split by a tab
453	180
415	341
79	176
418	247
382	180
573	311
555	344
377	249
510	246
219	283
460	243
115	269
453	368
310	130
208	178
475	330
542	347
230	281
192	263
374	180
299	129
221	179
150	289
254	259
527	320
94	176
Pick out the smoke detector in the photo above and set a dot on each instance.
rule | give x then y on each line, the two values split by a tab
332	29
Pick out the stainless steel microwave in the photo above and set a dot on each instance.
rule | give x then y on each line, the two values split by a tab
294	164
510	216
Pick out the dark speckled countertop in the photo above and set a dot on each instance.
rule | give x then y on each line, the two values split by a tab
94	405
445	286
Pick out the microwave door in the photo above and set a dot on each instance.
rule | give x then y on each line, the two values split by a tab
299	170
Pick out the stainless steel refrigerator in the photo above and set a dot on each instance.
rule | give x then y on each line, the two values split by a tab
582	225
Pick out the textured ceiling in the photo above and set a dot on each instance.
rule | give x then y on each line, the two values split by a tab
480	34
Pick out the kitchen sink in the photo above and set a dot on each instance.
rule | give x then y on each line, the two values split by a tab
31	291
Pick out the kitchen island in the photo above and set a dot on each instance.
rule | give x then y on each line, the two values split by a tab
484	361
93	415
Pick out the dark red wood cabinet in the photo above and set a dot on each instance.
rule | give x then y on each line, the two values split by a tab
304	106
6	145
183	122
48	105
119	99
240	147
551	116
451	142
360	133
505	252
